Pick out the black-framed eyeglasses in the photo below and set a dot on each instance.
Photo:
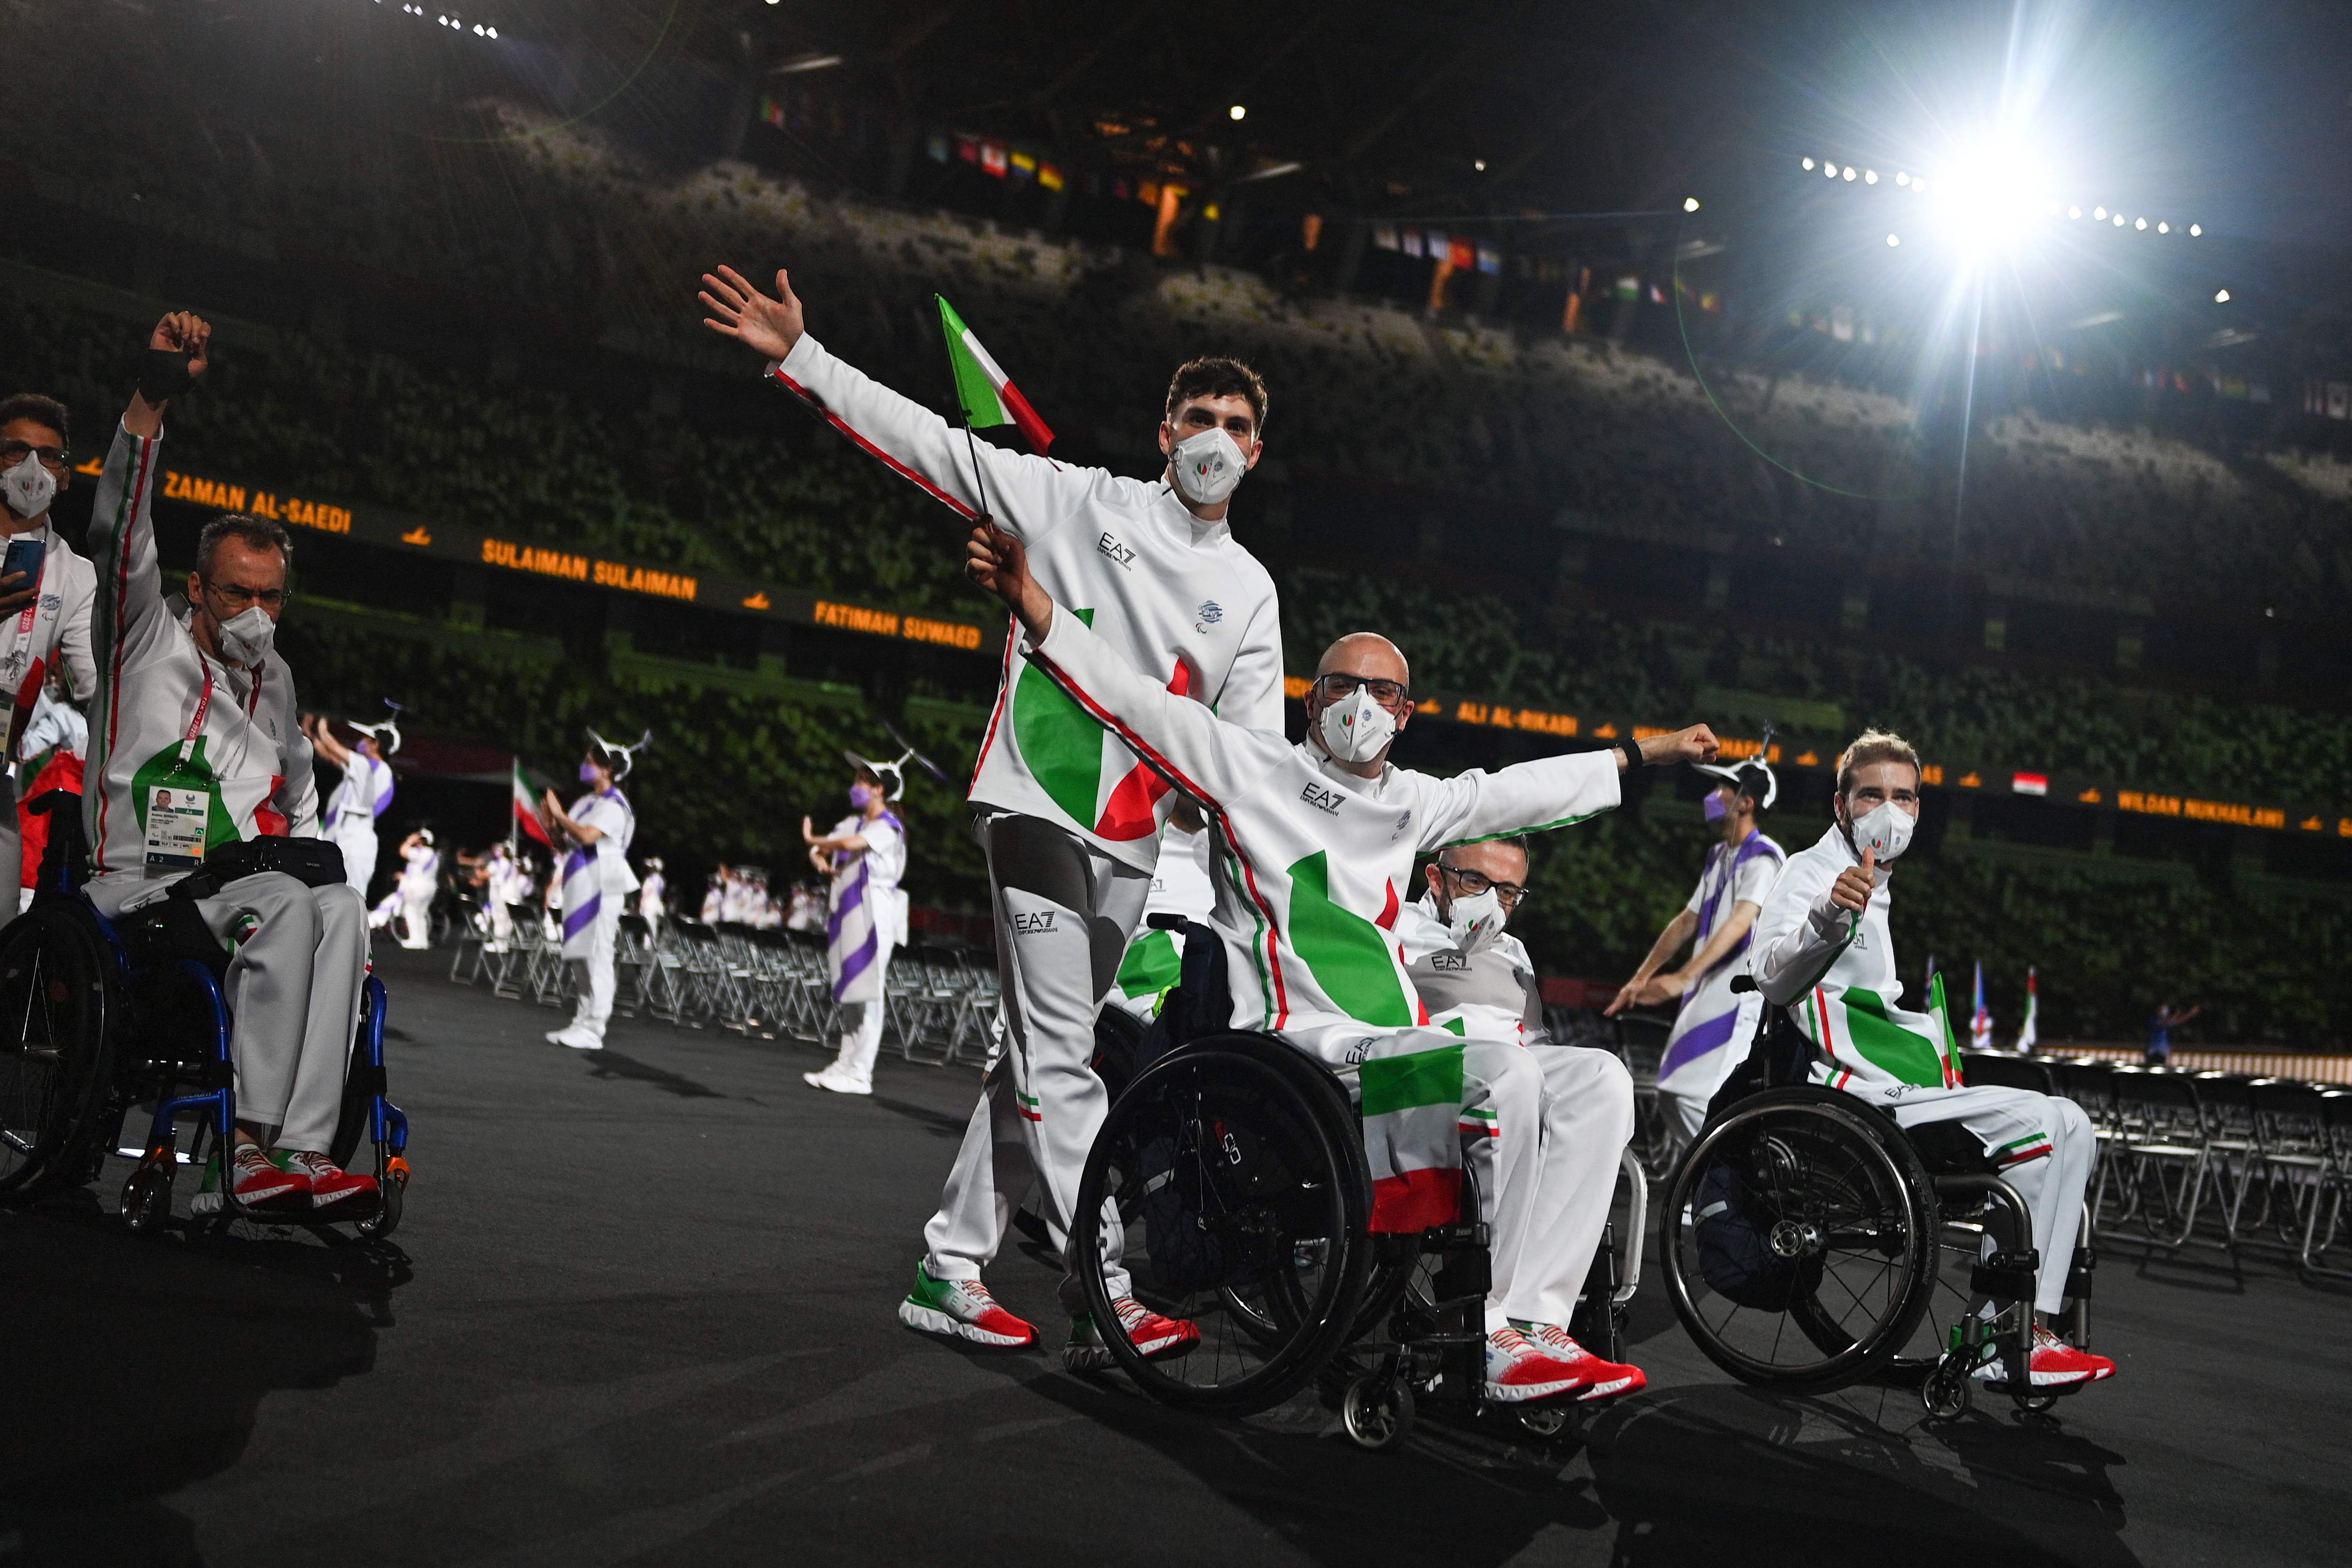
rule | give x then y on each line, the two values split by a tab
1473	883
1390	694
240	597
14	452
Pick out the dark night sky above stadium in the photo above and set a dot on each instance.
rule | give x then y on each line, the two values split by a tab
2240	112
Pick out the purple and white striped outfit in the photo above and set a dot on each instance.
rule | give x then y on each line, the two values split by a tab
1697	1059
589	874
864	913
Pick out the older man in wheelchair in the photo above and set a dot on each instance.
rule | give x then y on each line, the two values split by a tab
1848	1155
213	944
1263	1204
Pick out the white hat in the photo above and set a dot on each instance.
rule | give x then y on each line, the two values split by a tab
621	759
389	725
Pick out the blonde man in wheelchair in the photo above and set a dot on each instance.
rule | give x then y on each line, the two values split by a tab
1823	951
1317	843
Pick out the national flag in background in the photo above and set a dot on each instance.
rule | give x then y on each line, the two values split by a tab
1927	986
1979	1020
2027	1036
526	810
988	396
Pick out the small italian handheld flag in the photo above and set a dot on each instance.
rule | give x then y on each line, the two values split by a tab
526	810
2027	1038
987	394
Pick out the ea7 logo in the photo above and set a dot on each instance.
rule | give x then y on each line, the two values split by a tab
1449	961
1358	1051
1031	924
1321	799
1122	553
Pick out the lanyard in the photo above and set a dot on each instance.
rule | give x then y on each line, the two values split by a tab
203	706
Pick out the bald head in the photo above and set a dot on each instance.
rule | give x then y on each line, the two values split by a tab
1368	655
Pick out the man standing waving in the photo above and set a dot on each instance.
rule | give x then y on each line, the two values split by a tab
1067	817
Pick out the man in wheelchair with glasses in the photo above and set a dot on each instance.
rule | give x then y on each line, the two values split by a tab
1317	844
197	745
1823	951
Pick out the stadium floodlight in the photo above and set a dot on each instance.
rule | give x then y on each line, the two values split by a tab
1690	203
2221	297
2195	229
1918	186
1849	171
2074	212
1238	111
1902	178
2118	220
1892	240
2099	212
2164	228
1809	165
1830	170
1870	176
1479	164
2140	223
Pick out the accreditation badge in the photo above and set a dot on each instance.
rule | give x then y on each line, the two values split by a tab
176	816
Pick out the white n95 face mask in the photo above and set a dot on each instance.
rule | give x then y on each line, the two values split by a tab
1886	828
246	639
1355	728
1208	467
1476	920
29	487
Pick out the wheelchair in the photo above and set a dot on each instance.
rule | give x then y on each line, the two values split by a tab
100	1018
1232	1170
1808	1242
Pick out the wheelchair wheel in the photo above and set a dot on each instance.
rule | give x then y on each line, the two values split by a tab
1798	1239
1237	1165
57	1053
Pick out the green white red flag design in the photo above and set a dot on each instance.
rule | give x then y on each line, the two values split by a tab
987	394
526	810
1412	1114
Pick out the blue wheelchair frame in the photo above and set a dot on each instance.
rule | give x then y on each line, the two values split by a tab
146	1195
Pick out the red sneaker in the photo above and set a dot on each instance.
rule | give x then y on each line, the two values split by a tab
257	1184
334	1191
1599	1379
2054	1364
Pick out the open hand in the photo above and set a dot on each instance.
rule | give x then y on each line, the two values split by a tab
1855	885
738	309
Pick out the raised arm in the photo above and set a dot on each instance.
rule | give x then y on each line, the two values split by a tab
1253	694
1028	496
1545	794
322	737
1806	923
121	519
1206	757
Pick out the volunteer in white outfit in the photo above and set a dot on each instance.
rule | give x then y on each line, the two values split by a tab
45	622
1179	886
650	904
420	879
1475	979
865	855
1067	817
1322	836
1714	1026
596	882
504	885
1824	951
359	801
197	743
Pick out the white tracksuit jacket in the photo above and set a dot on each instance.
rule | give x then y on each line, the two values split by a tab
1170	594
1314	859
1490	992
55	627
250	752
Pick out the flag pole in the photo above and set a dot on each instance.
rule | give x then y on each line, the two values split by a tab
971	443
514	771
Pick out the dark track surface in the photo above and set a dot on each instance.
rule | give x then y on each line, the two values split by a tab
641	1311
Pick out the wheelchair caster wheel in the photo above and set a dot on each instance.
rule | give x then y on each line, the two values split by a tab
146	1202
2035	1403
1544	1420
1948	1392
1377	1412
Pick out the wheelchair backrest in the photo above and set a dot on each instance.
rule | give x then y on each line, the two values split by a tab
1200	1003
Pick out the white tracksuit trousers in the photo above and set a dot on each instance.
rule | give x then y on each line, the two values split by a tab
293	994
416	916
854	1059
1064	911
593	977
1542	1129
2043	1145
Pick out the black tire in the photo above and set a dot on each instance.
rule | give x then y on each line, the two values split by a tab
1240	1164
56	1049
362	1081
1811	1214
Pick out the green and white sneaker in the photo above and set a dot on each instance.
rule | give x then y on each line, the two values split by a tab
963	1310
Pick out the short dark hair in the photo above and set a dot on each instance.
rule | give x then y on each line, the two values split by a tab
864	773
260	533
1216	377
39	409
1754	783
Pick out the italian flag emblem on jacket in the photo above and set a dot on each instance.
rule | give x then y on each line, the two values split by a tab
1078	764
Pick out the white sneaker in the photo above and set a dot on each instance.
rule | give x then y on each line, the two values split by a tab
577	1041
839	1085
